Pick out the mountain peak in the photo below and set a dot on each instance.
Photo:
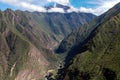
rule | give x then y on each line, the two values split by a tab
8	10
56	5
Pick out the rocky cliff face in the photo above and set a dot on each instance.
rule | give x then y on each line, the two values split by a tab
17	51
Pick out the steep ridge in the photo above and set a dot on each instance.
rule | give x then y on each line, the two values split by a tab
100	58
27	40
79	36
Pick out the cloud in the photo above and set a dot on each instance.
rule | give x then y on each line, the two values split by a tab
35	5
32	7
87	10
72	9
60	10
25	5
64	2
102	6
105	5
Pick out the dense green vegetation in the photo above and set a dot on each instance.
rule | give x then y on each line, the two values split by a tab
98	58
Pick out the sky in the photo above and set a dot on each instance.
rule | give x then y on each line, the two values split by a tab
96	7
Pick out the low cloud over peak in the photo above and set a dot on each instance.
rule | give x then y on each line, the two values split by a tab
100	6
64	2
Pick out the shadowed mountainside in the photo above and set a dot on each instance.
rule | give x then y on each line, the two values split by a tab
80	35
97	56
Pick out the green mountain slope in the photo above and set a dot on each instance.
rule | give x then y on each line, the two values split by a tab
27	41
80	35
98	58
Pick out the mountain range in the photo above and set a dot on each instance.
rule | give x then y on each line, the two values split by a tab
59	45
28	40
